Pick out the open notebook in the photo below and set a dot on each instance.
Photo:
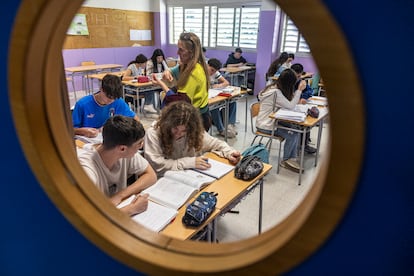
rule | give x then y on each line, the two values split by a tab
217	169
167	195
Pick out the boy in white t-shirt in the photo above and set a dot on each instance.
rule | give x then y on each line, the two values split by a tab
110	164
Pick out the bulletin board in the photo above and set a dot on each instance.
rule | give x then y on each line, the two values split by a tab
112	28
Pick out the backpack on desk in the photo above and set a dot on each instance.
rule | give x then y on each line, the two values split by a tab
200	209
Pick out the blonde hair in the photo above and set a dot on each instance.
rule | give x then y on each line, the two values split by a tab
192	44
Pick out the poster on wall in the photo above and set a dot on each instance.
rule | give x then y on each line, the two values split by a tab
78	25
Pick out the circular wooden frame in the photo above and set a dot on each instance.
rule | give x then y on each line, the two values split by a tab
41	120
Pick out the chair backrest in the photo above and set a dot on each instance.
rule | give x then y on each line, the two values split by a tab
86	63
254	111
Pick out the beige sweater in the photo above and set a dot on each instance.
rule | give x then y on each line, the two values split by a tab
182	157
266	99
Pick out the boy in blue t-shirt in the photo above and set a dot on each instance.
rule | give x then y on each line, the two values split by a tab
92	111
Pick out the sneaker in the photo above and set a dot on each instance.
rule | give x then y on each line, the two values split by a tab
149	108
232	128
230	134
151	116
310	150
293	165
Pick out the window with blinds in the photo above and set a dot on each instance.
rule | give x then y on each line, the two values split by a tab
292	41
216	26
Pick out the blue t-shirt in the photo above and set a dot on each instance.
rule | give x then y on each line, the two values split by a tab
307	92
87	113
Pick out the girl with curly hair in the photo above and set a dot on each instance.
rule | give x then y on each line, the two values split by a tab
178	140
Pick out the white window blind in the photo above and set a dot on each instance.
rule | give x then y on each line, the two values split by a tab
292	41
216	26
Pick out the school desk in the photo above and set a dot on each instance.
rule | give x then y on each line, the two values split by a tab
134	89
236	71
218	102
85	70
230	191
303	128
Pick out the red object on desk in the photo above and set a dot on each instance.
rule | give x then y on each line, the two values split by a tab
142	79
223	94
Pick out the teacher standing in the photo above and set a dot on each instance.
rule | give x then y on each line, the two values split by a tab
191	74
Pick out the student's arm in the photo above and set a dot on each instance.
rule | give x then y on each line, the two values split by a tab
89	132
155	80
222	82
235	64
153	153
127	75
220	147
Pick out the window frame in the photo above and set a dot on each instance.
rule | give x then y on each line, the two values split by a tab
211	31
299	38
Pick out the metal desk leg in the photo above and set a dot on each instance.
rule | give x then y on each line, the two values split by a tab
302	153
214	230
226	118
245	115
260	205
318	143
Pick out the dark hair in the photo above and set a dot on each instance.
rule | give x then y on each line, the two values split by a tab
286	83
204	49
155	54
139	59
176	114
215	63
121	130
297	67
291	55
276	64
112	86
238	50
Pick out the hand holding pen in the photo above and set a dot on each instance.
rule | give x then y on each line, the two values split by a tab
201	163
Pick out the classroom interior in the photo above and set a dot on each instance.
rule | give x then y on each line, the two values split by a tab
281	190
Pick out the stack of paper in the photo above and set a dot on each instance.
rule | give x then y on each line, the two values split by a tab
316	100
290	115
213	92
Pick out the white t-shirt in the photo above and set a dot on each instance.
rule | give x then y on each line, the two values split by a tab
112	181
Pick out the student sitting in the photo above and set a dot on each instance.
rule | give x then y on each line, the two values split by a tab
91	111
136	68
218	81
281	94
111	163
277	67
235	59
178	139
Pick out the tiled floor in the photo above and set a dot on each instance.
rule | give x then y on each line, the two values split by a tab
281	191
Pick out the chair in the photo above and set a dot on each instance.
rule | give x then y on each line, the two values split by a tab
86	63
254	111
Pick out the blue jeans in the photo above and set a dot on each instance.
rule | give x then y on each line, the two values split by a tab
290	150
149	98
218	119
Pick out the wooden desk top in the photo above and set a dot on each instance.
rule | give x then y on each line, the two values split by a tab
137	84
87	68
235	93
100	76
237	69
309	121
228	188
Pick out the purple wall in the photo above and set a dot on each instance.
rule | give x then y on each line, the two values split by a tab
264	55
